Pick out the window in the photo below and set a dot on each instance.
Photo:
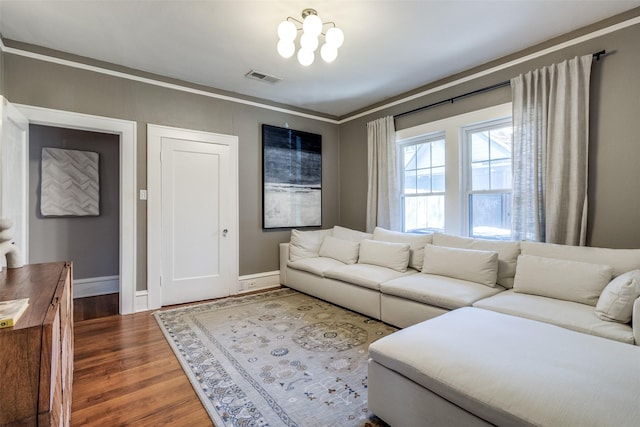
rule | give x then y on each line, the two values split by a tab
488	170
455	174
423	178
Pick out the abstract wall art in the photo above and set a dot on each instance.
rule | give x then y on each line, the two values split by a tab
70	184
292	178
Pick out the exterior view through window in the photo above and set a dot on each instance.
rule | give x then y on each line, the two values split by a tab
423	184
490	176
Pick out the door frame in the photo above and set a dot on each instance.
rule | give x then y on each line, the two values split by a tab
127	131
11	113
155	133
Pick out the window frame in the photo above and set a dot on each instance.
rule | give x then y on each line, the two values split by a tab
414	141
454	204
466	166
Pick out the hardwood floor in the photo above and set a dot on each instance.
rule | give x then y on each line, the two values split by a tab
126	374
93	307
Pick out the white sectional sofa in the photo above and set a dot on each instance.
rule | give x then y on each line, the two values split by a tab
582	297
403	279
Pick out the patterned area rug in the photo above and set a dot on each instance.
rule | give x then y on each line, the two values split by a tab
279	358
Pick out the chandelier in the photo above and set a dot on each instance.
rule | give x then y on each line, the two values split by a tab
312	28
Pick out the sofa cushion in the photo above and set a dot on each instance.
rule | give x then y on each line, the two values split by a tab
342	250
316	265
465	264
349	234
511	371
621	260
438	291
508	252
306	244
571	315
384	254
366	275
416	242
562	279
616	301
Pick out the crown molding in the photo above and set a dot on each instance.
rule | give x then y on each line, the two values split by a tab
101	70
147	80
488	71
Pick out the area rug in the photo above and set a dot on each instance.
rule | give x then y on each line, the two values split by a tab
279	358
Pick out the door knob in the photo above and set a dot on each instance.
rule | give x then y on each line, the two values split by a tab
224	232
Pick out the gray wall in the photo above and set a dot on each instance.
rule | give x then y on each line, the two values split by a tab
1	72
32	82
90	241
614	199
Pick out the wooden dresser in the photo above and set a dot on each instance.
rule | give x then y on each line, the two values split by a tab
36	355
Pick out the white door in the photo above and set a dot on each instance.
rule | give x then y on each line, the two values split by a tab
13	152
198	214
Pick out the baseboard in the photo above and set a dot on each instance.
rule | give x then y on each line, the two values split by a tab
248	283
93	286
142	301
254	282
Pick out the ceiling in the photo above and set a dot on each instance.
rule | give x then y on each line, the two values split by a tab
391	46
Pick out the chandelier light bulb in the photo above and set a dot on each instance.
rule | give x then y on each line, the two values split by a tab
312	25
309	42
328	53
334	37
287	31
286	48
305	57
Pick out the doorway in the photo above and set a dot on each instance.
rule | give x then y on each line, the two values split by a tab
130	300
61	227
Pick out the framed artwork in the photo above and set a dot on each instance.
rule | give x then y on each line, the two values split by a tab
291	178
70	184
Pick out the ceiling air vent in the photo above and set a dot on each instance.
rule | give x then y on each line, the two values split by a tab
257	75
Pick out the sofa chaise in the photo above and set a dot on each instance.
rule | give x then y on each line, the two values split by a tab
479	367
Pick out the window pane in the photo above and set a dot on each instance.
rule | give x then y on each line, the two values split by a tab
479	146
424	156
409	157
501	142
501	174
437	153
424	213
490	215
424	181
480	176
410	182
437	183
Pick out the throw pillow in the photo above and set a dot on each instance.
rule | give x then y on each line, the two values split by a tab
306	244
384	254
561	279
416	243
338	249
508	252
621	260
465	264
616	301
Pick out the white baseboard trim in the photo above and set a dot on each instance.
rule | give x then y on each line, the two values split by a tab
248	283
96	286
254	282
142	301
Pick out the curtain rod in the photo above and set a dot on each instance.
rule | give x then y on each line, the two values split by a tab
596	55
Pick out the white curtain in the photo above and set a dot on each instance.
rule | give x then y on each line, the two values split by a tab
550	152
382	193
